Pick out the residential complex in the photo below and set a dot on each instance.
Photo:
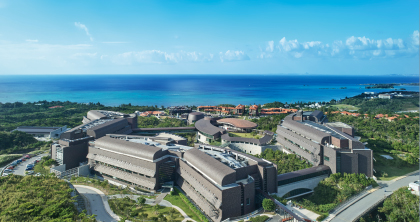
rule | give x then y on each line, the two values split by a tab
310	136
238	110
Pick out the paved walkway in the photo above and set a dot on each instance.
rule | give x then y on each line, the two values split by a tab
98	203
304	213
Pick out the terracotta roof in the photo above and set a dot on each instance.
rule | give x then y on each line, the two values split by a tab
240	123
254	107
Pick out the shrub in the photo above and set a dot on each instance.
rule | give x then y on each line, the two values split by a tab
321	217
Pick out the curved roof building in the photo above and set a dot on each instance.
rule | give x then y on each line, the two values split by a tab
209	166
206	127
135	149
238	123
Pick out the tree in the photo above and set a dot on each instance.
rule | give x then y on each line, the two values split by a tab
141	201
156	209
268	205
143	216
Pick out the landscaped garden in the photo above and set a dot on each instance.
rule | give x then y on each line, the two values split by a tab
177	198
132	210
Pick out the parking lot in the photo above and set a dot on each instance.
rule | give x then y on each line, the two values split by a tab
20	168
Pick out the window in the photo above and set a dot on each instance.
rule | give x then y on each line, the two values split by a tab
326	158
248	202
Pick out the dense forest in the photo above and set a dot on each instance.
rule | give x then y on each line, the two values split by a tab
41	198
285	162
402	205
335	189
16	140
384	136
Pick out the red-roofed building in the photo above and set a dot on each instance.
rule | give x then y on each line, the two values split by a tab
253	110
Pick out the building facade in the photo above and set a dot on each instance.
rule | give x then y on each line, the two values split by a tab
309	136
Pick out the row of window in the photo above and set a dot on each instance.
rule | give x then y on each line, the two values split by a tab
125	181
122	169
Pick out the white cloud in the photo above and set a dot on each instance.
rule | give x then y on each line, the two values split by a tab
157	56
352	47
82	26
230	56
32	40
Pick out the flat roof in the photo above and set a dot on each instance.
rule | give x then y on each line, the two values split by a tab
164	128
324	129
36	129
239	123
338	124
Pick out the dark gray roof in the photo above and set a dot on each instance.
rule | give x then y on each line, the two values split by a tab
95	114
318	114
107	127
264	140
310	132
205	126
268	132
36	129
298	173
130	148
217	171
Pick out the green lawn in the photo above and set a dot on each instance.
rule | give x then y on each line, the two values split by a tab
345	107
125	207
177	201
245	135
393	171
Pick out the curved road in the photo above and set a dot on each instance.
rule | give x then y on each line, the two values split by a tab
97	206
387	189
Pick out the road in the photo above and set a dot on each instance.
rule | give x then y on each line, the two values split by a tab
97	206
388	188
20	169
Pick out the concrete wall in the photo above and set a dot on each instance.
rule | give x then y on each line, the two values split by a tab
73	155
247	148
349	163
332	155
365	161
310	183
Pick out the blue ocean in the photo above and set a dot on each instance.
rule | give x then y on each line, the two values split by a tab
171	90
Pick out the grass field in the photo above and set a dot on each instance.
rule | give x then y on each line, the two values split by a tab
394	172
245	135
345	107
177	201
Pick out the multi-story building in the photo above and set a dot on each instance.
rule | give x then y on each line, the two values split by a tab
253	110
220	181
178	110
308	135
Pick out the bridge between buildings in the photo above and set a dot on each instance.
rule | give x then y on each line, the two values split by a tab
301	182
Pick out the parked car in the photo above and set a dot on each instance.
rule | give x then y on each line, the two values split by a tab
18	161
10	167
36	161
14	163
23	159
37	174
29	168
29	172
5	174
27	157
8	170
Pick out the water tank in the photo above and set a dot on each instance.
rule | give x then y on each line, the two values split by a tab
195	116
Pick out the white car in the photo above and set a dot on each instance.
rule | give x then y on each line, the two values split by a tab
29	172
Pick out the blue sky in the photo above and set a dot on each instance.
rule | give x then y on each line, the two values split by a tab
209	37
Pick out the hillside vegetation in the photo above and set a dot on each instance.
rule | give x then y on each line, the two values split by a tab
32	198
